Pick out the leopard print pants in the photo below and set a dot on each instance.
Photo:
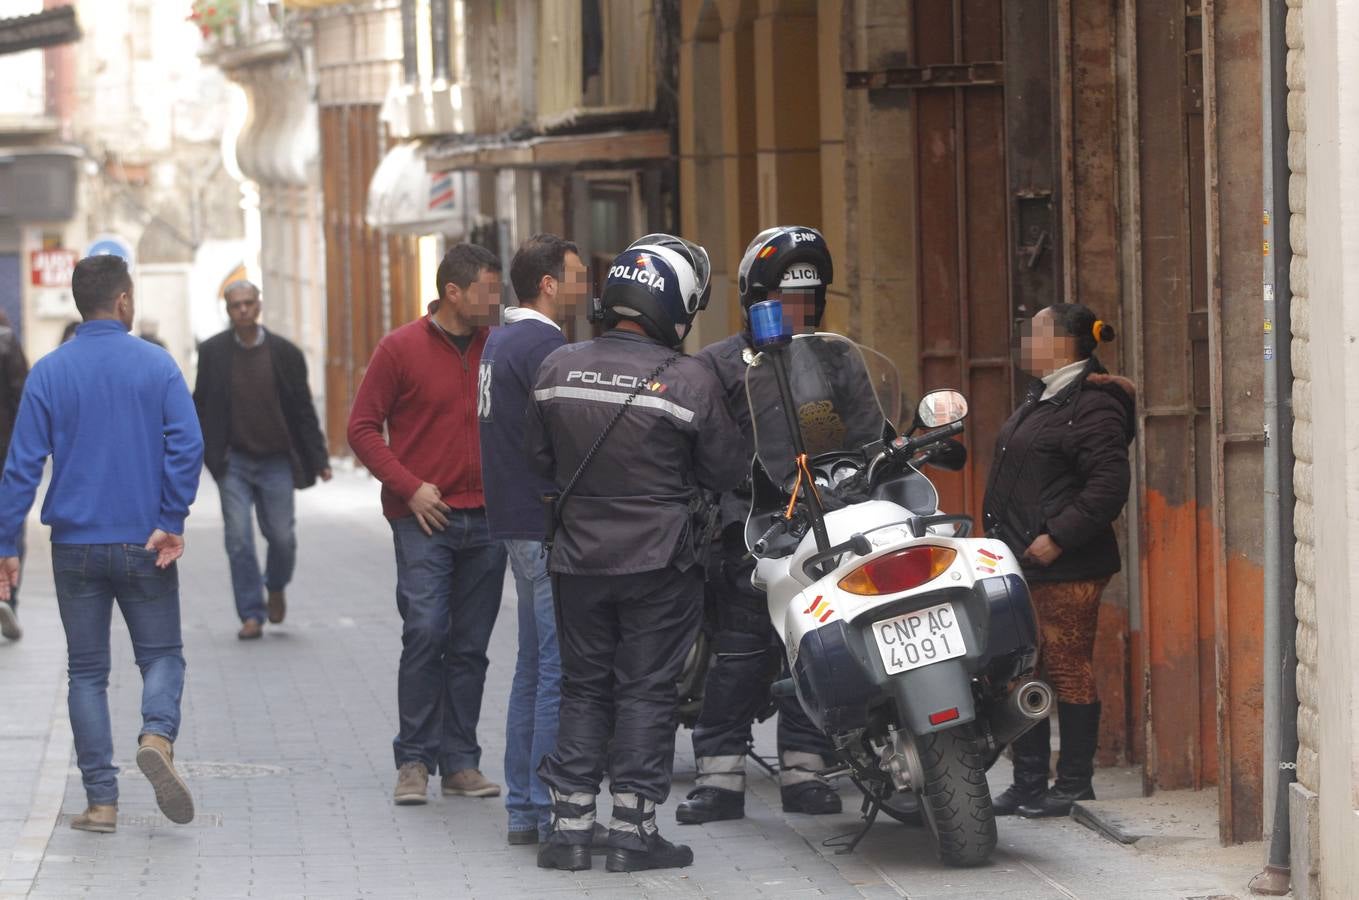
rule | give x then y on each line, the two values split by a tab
1068	613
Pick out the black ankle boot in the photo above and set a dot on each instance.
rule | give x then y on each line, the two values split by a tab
659	854
566	857
1032	755
814	798
1075	763
710	804
634	843
573	824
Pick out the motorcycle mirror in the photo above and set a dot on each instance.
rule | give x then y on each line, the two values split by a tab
940	408
950	456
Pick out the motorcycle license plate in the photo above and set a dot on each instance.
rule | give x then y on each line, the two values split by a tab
919	638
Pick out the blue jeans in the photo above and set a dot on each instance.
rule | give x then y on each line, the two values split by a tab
266	482
89	578
448	593
531	726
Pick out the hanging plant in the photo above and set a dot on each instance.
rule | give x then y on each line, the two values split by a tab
213	17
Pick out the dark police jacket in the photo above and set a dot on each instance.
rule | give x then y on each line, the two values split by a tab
630	510
728	360
839	404
212	397
1061	468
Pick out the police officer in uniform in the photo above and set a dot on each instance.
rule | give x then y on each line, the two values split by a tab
631	430
793	264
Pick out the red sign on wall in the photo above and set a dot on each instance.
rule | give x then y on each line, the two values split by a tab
52	268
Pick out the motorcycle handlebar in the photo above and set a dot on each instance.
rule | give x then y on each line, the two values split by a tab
911	445
762	545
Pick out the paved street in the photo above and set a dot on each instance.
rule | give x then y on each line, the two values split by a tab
287	744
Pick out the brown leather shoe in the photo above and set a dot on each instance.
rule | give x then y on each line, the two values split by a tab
469	783
251	630
156	759
278	607
97	818
412	785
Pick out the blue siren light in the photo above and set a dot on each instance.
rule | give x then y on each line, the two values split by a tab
767	326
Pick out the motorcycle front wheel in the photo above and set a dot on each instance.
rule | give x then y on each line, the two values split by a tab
956	799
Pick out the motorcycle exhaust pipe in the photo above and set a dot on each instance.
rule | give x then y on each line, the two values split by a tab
1025	707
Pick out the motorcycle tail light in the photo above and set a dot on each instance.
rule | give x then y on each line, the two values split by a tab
899	571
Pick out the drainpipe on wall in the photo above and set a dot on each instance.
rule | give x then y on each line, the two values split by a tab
1281	694
439	26
410	53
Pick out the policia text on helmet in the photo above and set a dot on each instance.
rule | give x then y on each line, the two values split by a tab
660	283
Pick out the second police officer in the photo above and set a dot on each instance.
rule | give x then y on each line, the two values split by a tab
630	429
792	264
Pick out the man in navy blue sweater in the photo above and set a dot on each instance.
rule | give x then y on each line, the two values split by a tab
549	280
116	417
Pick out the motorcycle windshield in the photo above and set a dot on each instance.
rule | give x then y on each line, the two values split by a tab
843	396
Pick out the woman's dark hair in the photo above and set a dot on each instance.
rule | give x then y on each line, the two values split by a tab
96	283
1081	323
542	254
463	264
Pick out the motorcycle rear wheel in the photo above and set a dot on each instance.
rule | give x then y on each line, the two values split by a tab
956	799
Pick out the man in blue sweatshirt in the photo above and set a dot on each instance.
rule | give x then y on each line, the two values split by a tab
549	280
116	417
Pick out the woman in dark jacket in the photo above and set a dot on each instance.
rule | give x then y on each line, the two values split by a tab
1059	481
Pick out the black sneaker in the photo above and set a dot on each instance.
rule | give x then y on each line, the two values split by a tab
710	804
660	854
522	837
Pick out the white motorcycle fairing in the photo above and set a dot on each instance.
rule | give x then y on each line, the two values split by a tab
837	662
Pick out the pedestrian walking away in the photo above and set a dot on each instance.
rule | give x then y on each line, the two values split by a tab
262	442
114	414
549	280
13	373
630	430
1058	482
421	386
792	264
149	331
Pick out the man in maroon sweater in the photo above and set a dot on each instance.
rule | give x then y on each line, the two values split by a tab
422	385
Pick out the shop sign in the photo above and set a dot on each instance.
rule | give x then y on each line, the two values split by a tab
52	268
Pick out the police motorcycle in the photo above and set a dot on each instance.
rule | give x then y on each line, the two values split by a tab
911	643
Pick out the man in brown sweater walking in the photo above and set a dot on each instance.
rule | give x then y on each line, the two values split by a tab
261	441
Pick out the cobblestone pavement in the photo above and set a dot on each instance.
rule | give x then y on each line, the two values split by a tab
287	744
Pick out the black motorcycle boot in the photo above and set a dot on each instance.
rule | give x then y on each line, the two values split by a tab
634	843
1032	752
801	789
719	793
1075	763
573	827
814	798
709	804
